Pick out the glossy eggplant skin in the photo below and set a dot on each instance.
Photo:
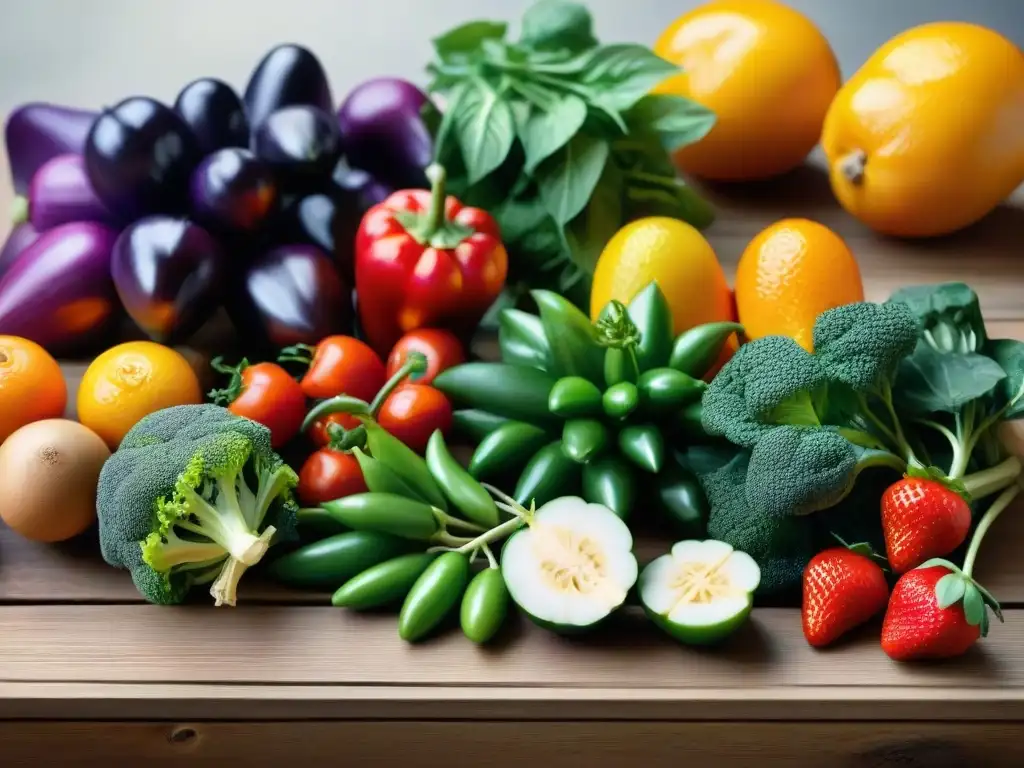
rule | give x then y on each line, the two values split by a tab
383	131
59	292
301	144
215	113
233	192
169	274
326	221
288	75
139	156
292	294
20	238
360	187
37	132
61	192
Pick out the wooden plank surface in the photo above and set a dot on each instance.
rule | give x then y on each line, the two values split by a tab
504	745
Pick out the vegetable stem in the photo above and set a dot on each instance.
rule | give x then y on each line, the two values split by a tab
19	210
448	521
989	481
496	533
490	556
415	363
997	508
437	177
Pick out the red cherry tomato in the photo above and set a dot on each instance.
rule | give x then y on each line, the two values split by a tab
441	348
329	474
413	412
343	365
267	394
319	430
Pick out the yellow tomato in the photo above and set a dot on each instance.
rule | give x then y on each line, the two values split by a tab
673	254
767	73
928	136
789	274
130	381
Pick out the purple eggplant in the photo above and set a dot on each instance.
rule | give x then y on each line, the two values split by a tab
169	274
301	145
289	295
326	221
288	75
20	238
139	156
215	113
233	191
60	193
37	132
358	186
59	292
383	131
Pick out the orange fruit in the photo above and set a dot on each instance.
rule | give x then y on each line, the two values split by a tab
32	386
130	381
789	274
768	74
928	135
673	254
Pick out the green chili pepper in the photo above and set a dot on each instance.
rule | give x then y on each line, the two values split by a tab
521	339
513	391
475	425
666	389
506	449
336	559
384	583
584	439
697	349
317	522
619	366
652	317
573	340
385	513
380	478
462	490
689	419
684	500
484	606
620	400
574	397
644	445
435	593
612	482
339	404
405	462
548	475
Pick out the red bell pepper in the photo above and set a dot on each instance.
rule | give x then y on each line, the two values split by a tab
423	259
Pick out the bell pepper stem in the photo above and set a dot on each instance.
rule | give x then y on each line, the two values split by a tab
414	364
1001	503
339	404
438	178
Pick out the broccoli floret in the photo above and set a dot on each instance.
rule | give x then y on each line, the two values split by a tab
781	546
176	506
861	344
799	470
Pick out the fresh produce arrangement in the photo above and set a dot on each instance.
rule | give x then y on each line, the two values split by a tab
482	344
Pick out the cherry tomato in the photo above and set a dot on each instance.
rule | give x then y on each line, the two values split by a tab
441	348
327	475
319	430
342	365
413	412
267	394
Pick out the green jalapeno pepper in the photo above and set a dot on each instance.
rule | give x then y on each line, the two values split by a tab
380	478
435	593
405	462
684	501
620	400
521	339
385	513
652	317
475	425
384	583
696	350
574	397
462	490
583	439
611	482
546	476
506	449
336	559
644	445
484	606
571	336
317	522
513	391
666	389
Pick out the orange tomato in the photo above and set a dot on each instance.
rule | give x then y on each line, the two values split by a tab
130	381
32	386
768	74
789	274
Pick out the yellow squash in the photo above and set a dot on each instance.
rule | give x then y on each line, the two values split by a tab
928	136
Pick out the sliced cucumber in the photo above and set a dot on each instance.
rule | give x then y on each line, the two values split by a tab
572	566
701	591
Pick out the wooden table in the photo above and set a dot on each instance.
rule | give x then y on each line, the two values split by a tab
87	668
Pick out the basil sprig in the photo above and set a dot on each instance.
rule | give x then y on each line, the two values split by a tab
561	139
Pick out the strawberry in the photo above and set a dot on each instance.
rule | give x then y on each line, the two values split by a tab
842	588
936	611
922	518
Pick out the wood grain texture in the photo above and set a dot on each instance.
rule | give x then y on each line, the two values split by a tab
509	745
